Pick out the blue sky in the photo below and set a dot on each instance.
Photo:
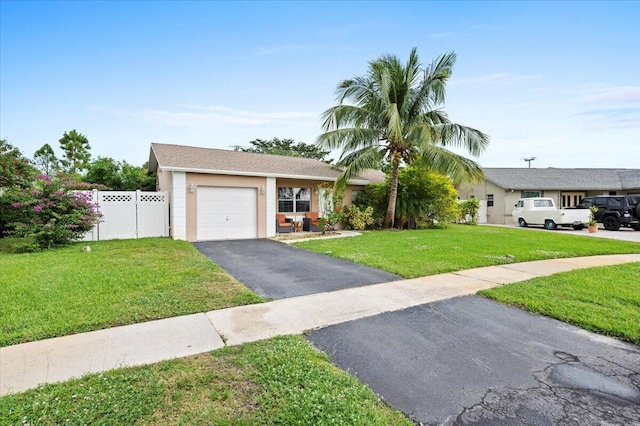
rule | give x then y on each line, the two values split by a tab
556	80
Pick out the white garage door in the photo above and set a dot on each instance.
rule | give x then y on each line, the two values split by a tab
227	213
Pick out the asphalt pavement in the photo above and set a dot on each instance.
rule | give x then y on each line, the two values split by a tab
469	360
275	270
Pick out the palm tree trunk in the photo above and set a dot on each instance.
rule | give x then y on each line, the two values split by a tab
393	195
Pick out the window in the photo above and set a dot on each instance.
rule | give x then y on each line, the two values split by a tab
354	195
530	194
586	202
615	203
294	200
600	202
542	203
489	200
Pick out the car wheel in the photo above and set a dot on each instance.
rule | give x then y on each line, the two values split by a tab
611	223
522	223
638	211
578	227
550	225
635	226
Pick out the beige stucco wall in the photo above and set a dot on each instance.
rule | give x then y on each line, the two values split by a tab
348	199
496	214
163	183
164	180
199	179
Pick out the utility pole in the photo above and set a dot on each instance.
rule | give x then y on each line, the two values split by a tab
529	160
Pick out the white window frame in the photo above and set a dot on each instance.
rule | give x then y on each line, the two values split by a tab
295	192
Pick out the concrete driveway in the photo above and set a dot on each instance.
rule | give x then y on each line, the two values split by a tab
469	360
275	270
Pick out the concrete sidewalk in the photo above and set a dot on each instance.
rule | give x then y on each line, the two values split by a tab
26	365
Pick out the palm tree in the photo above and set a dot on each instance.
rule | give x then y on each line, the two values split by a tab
395	112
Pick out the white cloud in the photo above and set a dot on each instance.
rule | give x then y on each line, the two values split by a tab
624	94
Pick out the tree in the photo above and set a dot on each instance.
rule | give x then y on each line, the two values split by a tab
76	151
45	159
105	171
394	112
15	169
287	147
119	176
134	178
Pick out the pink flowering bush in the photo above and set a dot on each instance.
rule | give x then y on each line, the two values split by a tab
48	213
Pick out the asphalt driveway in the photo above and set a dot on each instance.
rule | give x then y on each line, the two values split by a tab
470	360
275	270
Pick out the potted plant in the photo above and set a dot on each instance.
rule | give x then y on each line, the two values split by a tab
592	225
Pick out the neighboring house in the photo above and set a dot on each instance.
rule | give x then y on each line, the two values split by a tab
220	194
502	187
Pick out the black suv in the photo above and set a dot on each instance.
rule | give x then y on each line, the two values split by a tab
615	211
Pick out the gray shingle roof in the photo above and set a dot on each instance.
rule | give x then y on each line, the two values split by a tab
564	179
209	160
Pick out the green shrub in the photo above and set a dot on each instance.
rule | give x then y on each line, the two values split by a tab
376	196
357	218
425	199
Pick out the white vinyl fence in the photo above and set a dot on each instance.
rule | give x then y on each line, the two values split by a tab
130	214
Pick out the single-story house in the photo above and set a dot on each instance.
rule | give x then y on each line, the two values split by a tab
222	194
502	187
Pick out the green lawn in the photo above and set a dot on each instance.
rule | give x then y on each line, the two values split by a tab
427	252
605	299
282	381
65	291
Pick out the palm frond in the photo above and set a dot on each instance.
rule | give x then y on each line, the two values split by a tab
472	140
346	115
349	139
460	169
358	161
394	124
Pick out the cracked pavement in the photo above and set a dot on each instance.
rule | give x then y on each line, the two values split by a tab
472	361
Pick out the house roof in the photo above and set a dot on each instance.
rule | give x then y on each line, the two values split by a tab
564	179
221	161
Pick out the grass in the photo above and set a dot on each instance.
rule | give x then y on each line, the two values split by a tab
413	254
65	291
605	300
280	381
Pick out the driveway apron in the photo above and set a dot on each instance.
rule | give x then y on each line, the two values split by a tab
470	360
275	270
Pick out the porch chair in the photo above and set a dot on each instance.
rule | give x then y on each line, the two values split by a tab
310	222
283	225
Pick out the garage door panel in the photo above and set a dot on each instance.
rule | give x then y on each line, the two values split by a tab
227	213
